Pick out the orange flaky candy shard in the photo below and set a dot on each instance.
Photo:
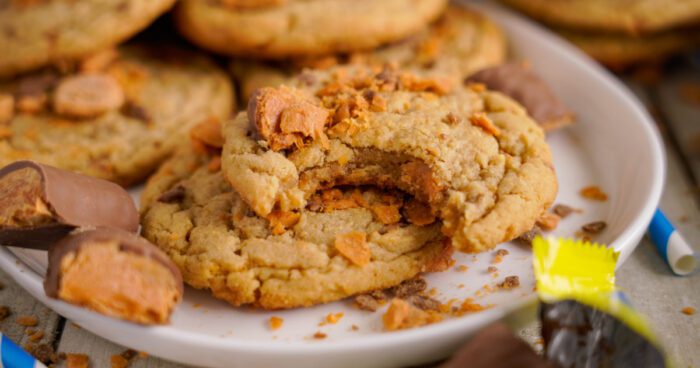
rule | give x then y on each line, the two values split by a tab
482	121
282	220
401	315
284	117
353	246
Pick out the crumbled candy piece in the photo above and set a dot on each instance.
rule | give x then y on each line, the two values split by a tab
284	117
482	121
548	221
402	315
282	220
510	282
418	213
688	311
27	321
353	246
594	227
594	193
563	210
77	361
319	335
333	318
276	322
87	95
118	361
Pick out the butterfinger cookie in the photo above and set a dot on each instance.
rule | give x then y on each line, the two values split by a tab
38	33
617	16
114	117
472	156
301	27
330	251
458	44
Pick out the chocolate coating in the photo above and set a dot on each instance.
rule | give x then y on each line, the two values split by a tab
128	242
521	84
75	201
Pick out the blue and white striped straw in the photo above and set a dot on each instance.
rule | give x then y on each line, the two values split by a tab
12	356
679	256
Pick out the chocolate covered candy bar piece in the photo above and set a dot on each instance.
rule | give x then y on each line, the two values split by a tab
496	347
40	204
520	83
115	273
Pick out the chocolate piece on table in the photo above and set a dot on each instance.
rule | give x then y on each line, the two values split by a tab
115	273
40	204
520	83
495	347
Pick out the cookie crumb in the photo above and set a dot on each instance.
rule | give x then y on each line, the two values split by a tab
594	193
27	321
354	328
408	288
4	312
118	361
594	227
498	256
528	236
77	361
462	268
548	221
491	269
367	302
276	322
688	311
280	221
467	306
563	210
510	282
320	335
423	302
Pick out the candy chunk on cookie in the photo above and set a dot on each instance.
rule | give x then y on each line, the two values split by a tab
87	96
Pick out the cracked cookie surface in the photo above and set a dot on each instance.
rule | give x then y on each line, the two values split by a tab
341	249
474	156
38	33
302	27
117	121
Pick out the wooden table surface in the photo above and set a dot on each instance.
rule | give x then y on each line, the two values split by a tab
674	102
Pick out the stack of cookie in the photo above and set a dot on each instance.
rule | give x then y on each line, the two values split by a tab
374	143
620	33
72	98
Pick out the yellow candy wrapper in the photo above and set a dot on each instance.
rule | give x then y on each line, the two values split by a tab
586	319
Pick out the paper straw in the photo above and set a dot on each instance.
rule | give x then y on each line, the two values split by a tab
679	256
12	356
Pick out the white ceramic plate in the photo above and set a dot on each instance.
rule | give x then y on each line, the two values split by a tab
614	145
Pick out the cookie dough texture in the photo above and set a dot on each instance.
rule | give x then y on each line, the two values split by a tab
619	16
619	51
38	33
167	92
221	245
302	27
458	44
475	156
